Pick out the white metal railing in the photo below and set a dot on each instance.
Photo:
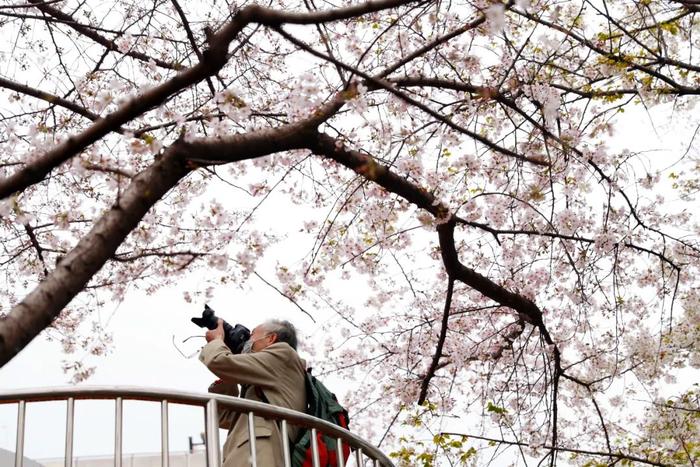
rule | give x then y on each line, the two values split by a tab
364	453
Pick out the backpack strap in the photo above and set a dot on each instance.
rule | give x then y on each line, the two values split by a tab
258	390
261	394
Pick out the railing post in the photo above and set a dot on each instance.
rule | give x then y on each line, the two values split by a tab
118	414
358	457
316	462
212	434
251	440
339	452
164	448
285	444
19	450
70	418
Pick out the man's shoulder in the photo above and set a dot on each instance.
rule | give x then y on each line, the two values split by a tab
281	348
285	352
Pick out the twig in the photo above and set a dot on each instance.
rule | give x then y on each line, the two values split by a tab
291	299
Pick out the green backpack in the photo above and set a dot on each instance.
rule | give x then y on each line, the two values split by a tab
320	403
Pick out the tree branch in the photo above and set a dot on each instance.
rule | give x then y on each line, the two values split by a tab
213	60
616	455
50	98
291	299
193	42
441	341
103	41
37	246
369	168
72	274
376	83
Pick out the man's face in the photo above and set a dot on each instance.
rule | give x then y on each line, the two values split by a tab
261	338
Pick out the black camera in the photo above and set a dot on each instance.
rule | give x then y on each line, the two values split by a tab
234	336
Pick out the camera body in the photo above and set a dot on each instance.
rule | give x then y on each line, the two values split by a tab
234	336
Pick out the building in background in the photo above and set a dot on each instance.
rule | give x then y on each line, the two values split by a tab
7	458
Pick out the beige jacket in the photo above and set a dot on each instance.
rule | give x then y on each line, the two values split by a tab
279	372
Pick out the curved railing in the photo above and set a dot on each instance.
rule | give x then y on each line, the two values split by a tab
362	451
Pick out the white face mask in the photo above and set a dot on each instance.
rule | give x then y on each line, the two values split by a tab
248	345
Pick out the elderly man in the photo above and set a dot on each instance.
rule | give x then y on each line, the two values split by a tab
268	368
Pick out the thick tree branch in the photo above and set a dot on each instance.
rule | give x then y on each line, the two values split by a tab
35	171
213	60
21	6
367	166
270	17
527	309
38	309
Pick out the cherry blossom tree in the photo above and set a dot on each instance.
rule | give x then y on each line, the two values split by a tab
519	268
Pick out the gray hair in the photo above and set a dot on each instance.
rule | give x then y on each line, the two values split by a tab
284	330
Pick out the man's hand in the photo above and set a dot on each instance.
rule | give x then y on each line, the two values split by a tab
217	333
215	385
